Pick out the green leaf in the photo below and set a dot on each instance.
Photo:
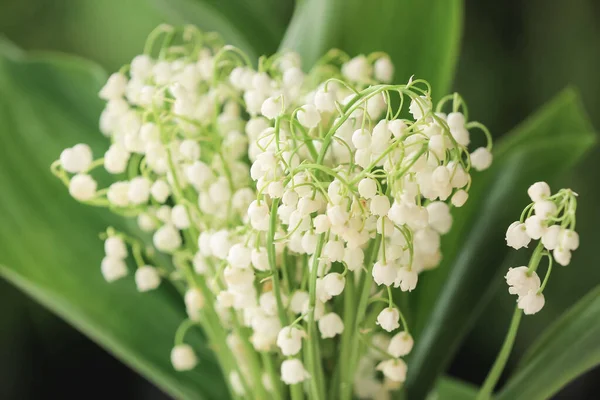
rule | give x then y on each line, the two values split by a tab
256	26
452	389
48	241
421	36
451	297
566	350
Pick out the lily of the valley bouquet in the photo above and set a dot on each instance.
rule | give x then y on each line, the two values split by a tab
295	209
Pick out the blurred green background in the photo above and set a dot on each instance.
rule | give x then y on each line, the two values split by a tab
515	56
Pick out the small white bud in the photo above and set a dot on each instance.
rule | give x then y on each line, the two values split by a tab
139	190
562	256
118	194
147	278
160	191
569	239
113	268
114	88
77	158
534	226
367	188
544	208
167	239
308	116
272	107
114	247
194	303
183	358
190	150
481	159
459	198
179	217
538	191
550	238
324	101
82	187
116	159
361	138
384	69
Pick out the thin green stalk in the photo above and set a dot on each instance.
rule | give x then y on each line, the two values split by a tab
273	263
492	379
366	281
316	381
349	309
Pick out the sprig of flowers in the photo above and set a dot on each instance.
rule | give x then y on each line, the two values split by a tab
291	204
551	220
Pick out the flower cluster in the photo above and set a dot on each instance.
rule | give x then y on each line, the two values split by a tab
551	220
275	192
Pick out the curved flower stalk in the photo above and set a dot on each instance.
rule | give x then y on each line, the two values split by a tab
550	218
291	205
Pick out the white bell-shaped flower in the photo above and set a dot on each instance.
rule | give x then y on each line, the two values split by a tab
393	369
289	340
384	274
401	344
516	236
388	319
330	325
292	371
520	281
531	302
334	283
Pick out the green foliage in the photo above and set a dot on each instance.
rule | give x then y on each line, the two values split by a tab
450	298
421	37
452	389
48	102
47	245
254	26
566	350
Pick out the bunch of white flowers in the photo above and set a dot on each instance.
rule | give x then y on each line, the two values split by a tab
551	220
291	204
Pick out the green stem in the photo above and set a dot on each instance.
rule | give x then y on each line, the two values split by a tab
366	281
494	375
314	360
273	263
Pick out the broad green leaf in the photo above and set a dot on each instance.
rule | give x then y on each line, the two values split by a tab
567	349
451	297
48	242
448	388
421	36
254	26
